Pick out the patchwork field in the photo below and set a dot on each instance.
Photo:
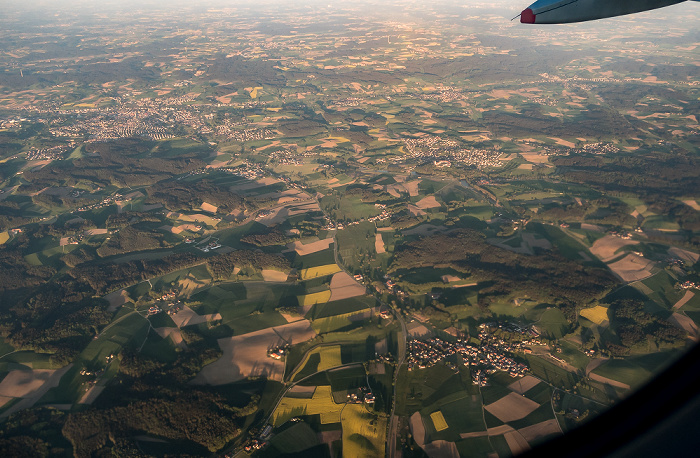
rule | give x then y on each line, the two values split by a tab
343	286
321	403
309	248
512	407
246	355
187	317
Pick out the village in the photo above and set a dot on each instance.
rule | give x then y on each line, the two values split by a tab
491	354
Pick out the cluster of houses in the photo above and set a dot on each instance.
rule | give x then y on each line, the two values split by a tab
52	153
490	356
689	285
174	308
445	152
289	156
107	201
361	395
245	135
278	351
624	235
213	245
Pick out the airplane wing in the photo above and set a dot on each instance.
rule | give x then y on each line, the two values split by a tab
563	11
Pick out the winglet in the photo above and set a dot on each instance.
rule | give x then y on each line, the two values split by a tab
527	17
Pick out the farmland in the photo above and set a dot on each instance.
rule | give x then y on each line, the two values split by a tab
346	230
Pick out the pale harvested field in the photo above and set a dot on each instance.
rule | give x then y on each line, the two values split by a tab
539	430
256	184
450	278
441	449
4	400
683	322
632	268
606	248
497	431
523	384
188	317
418	429
310	248
21	383
516	442
274	275
685	255
96	232
174	334
189	285
30	385
608	381
344	286
91	394
394	189
412	187
418	330
562	142
415	211
246	355
594	364
171	229
117	299
381	347
688	296
379	244
534	242
208	207
302	389
693	204
428	202
279	215
535	158
512	407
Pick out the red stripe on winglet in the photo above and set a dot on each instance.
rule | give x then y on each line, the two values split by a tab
527	17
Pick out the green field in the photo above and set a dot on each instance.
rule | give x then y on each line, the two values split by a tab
319	359
341	307
462	412
321	403
244	307
636	370
295	439
131	330
364	431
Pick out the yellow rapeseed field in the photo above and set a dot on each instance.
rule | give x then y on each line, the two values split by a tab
329	355
597	314
320	403
315	298
320	271
364	431
438	421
